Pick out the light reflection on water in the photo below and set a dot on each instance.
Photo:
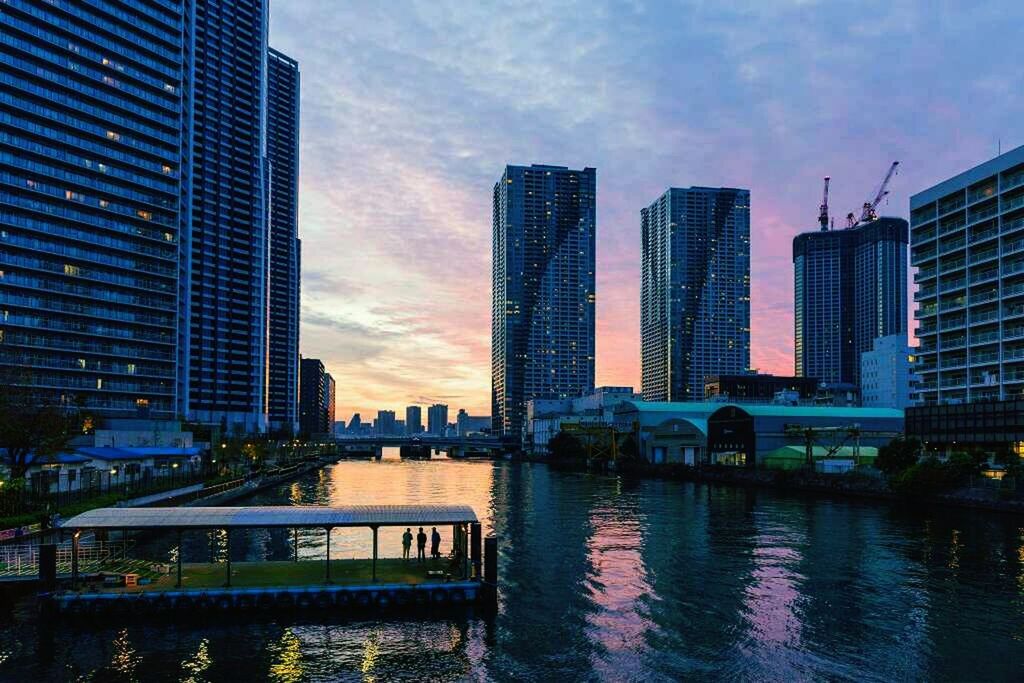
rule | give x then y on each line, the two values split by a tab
606	579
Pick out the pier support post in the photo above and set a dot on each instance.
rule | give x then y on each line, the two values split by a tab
74	557
328	561
227	554
491	571
295	543
374	553
178	584
474	548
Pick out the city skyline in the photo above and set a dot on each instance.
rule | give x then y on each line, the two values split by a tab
391	109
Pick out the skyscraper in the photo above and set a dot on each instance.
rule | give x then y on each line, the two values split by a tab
437	418
413	420
227	364
967	243
283	311
90	187
695	290
850	288
315	397
543	289
134	239
385	422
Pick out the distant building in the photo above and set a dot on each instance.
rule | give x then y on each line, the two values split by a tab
695	290
850	288
466	423
386	423
757	388
339	427
967	243
543	289
887	379
437	419
355	424
314	395
330	388
413	420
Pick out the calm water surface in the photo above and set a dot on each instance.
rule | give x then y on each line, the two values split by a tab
607	579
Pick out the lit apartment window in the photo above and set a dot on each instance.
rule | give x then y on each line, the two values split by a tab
73	196
142	403
70	269
166	169
111	135
131	368
99	382
104	203
81	363
147	215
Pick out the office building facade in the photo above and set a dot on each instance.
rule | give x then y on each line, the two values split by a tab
386	425
695	290
543	289
91	222
850	287
437	419
284	265
413	420
967	243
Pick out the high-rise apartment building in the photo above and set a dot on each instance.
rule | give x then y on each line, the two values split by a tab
967	242
695	290
329	407
315	397
850	288
887	377
543	289
229	239
283	309
134	243
413	420
91	181
437	419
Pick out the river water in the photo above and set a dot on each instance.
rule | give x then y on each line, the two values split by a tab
607	579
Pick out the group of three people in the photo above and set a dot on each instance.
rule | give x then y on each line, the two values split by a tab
421	544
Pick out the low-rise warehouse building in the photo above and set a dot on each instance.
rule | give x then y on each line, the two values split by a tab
743	435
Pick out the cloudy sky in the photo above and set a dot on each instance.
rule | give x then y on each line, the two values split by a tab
410	110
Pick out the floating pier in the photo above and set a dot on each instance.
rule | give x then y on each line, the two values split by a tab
339	586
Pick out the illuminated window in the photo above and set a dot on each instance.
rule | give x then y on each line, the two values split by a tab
104	203
81	363
30	183
70	269
99	382
73	196
166	169
111	135
142	403
131	368
110	81
148	215
169	237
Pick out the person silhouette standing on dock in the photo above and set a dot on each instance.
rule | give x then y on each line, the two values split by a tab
421	546
435	543
406	544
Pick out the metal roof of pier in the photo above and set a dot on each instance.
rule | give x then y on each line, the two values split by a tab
271	516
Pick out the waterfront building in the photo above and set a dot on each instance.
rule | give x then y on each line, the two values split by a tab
385	423
993	430
227	364
546	417
695	290
466	423
413	420
887	377
134	235
742	435
757	388
437	419
284	263
91	182
850	288
543	289
315	396
967	243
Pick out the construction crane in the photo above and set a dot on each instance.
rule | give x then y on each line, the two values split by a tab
823	209
868	210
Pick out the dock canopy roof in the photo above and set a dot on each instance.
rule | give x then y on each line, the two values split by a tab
271	516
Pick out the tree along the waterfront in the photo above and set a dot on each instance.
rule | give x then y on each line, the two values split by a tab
31	428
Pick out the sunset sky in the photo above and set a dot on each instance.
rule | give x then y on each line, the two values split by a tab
410	110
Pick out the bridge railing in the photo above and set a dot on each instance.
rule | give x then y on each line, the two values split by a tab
23	559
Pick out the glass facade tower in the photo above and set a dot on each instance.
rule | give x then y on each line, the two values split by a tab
850	288
695	290
90	201
543	289
283	312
